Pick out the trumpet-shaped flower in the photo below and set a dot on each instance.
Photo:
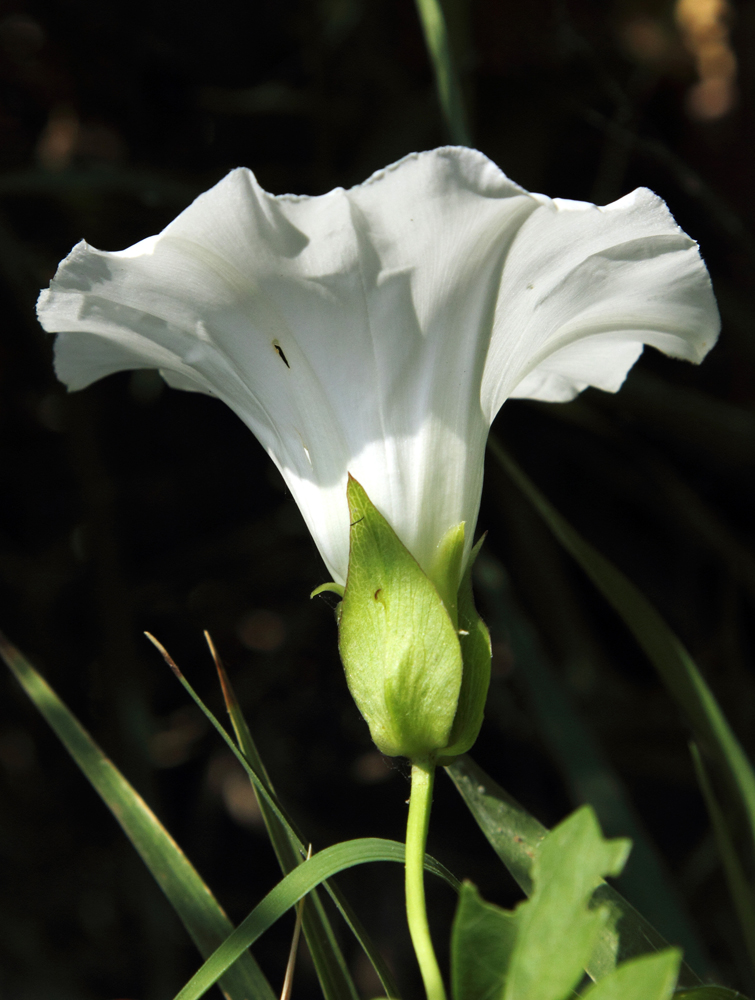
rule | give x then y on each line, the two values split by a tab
375	332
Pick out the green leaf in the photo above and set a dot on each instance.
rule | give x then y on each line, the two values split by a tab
286	894
398	644
663	648
515	836
557	931
198	909
539	951
650	977
332	970
482	940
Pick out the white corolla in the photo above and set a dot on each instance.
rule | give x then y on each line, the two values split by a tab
377	331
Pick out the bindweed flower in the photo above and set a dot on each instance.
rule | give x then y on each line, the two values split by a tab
376	332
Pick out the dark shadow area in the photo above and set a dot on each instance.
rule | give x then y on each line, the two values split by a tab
131	507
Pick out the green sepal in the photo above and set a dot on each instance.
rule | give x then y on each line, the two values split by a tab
445	571
476	652
398	644
331	587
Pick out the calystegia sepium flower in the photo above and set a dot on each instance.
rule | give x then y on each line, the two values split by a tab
375	332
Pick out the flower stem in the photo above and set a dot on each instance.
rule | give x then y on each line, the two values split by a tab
423	773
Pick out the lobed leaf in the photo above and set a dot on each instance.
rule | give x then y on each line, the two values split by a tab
482	941
557	928
649	977
674	664
538	951
515	835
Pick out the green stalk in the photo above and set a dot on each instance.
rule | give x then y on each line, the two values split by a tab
446	79
420	802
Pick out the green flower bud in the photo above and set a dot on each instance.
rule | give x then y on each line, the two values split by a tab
415	651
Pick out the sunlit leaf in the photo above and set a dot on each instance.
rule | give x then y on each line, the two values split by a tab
539	950
558	926
649	977
482	941
515	836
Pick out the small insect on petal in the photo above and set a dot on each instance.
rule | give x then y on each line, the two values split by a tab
281	355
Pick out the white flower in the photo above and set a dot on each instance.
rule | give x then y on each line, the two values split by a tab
377	331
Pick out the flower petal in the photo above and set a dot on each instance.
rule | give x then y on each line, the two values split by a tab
343	329
376	331
584	288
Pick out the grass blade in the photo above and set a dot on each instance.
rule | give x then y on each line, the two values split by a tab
447	84
332	970
288	980
199	911
515	836
260	784
285	895
589	775
740	887
663	648
431	865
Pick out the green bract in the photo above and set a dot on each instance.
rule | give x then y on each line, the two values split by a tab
415	651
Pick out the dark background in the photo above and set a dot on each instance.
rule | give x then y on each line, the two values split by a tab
130	506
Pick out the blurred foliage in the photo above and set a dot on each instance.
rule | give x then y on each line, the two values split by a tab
131	507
